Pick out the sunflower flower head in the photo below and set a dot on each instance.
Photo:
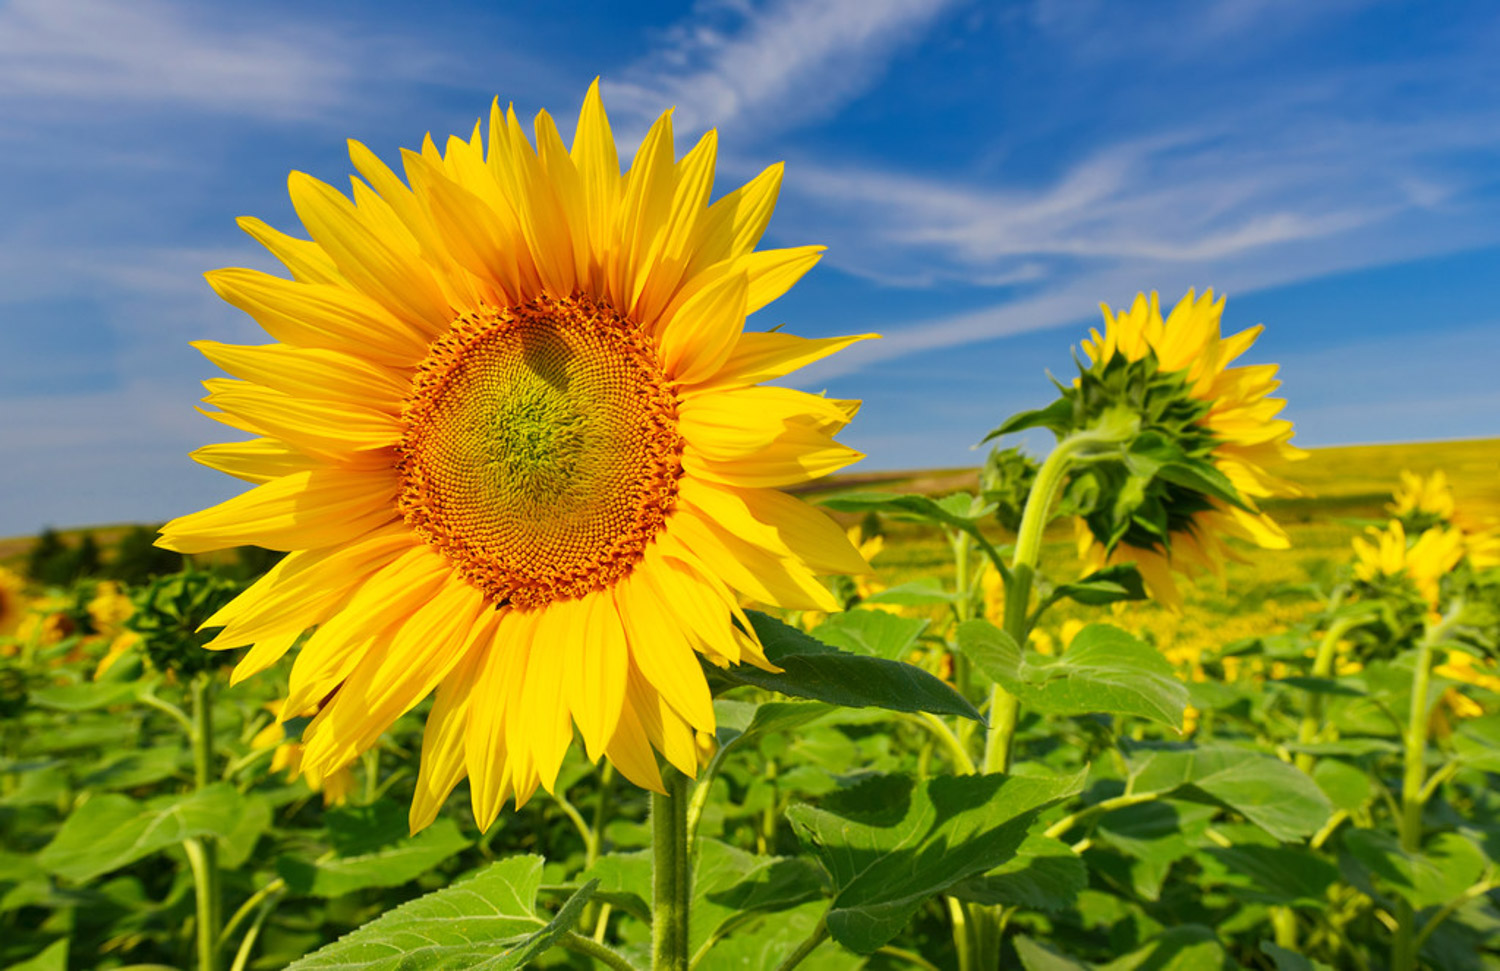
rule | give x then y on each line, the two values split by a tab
1388	561
1423	502
168	619
1189	441
511	430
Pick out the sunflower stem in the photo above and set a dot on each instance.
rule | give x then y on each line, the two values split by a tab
202	853
1322	667
1113	430
672	874
1404	946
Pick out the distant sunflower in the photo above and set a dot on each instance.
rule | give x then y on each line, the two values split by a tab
1189	397
514	438
1388	554
1423	502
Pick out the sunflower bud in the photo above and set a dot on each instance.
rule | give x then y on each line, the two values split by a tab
168	615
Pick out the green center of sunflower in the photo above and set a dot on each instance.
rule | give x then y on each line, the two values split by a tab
541	451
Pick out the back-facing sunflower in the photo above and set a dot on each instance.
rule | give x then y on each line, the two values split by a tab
514	439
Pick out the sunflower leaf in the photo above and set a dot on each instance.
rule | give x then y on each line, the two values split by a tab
112	831
1103	671
1045	874
1100	588
820	672
889	843
872	632
487	922
1268	792
1057	417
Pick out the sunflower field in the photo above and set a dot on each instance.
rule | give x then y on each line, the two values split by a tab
546	634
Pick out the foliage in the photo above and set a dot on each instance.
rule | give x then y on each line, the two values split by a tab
1226	787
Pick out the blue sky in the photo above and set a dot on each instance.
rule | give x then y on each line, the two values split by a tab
984	174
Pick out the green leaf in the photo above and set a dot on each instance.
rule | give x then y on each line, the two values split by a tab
1291	960
1190	947
374	850
487	922
1104	670
922	592
1477	743
745	724
1202	476
84	697
1265	790
875	633
765	942
1319	686
812	669
731	887
1285	875
112	831
239	843
1447	865
1346	786
131	768
1036	956
890	844
1155	835
1109	585
54	958
1056	418
1045	874
624	881
959	511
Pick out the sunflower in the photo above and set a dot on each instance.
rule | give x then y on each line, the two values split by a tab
1385	555
1423	502
513	436
1174	374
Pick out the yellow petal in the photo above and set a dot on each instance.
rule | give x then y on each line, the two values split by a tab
372	261
779	524
443	762
304	258
304	510
320	315
258	460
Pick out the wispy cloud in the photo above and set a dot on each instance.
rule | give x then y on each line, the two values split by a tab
154	53
772	66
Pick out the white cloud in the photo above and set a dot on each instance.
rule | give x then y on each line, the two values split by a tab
772	66
156	53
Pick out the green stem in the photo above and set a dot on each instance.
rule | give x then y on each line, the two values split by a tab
1312	721
1450	908
1004	709
672	875
1061	827
247	944
940	730
203	853
606	956
371	759
818	936
248	907
178	715
1404	947
914	959
198	862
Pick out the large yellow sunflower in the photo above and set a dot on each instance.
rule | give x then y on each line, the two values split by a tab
513	435
1224	412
